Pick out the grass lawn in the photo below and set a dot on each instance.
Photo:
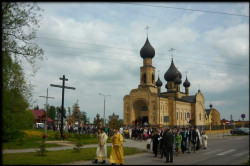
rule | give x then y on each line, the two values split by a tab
58	157
30	139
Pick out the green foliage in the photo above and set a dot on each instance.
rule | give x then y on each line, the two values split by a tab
51	112
42	151
19	25
78	145
57	135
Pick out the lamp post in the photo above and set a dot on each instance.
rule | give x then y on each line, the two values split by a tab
104	107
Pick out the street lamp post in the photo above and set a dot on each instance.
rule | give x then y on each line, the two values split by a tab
104	107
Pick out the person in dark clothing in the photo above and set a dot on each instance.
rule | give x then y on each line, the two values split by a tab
168	141
155	142
162	151
194	138
184	135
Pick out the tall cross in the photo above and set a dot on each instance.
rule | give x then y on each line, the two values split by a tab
199	87
147	27
63	87
46	111
172	50
158	72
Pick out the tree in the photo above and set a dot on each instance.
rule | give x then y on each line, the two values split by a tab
16	93
52	112
69	111
36	108
19	25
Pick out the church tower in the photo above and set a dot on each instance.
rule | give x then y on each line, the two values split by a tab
147	70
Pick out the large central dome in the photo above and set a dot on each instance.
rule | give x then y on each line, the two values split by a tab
147	51
172	73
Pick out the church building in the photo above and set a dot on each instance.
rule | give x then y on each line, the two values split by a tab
149	104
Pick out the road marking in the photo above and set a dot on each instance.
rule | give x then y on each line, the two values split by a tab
213	151
226	152
241	153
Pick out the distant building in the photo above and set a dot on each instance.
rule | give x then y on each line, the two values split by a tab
40	116
148	105
212	116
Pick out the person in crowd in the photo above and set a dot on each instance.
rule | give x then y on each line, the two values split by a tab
155	137
101	151
168	141
116	155
194	138
149	140
121	130
162	151
199	140
141	133
204	139
178	140
130	132
184	135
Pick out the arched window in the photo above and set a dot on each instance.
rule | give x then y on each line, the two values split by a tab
144	78
153	77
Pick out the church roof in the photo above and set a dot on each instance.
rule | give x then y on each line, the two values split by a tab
147	51
208	111
189	99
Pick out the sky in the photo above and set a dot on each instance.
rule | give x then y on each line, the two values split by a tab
97	47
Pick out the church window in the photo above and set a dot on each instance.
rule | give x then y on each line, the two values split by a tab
154	118
127	119
181	116
185	116
128	108
200	116
144	78
153	77
144	108
177	115
153	107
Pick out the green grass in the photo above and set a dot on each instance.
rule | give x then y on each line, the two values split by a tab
32	141
58	157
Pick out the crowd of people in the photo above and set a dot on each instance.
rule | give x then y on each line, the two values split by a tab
166	141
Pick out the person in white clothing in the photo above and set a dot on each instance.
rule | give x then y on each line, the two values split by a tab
204	139
101	151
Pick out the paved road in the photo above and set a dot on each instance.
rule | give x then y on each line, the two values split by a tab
232	150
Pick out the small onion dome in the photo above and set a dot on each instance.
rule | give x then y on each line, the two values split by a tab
158	82
171	74
166	86
186	83
147	51
210	105
179	74
177	80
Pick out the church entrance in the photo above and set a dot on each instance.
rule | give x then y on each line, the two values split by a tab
141	112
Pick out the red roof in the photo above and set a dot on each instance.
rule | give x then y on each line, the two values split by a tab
39	113
49	120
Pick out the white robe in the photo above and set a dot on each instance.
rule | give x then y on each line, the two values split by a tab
204	139
101	151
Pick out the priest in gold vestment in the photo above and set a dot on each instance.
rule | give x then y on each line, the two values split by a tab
101	151
116	155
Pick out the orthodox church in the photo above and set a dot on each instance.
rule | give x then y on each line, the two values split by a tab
150	105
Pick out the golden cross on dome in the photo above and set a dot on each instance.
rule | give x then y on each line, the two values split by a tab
172	50
147	27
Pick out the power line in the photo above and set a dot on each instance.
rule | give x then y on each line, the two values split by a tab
134	50
205	11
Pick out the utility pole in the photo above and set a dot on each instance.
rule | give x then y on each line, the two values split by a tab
104	107
46	111
63	86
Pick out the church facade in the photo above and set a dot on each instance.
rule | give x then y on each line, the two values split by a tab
149	104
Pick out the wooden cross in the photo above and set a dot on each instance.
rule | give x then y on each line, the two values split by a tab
63	87
46	111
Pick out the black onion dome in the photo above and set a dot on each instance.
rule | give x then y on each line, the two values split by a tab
147	51
210	105
158	82
171	74
177	80
179	74
186	83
